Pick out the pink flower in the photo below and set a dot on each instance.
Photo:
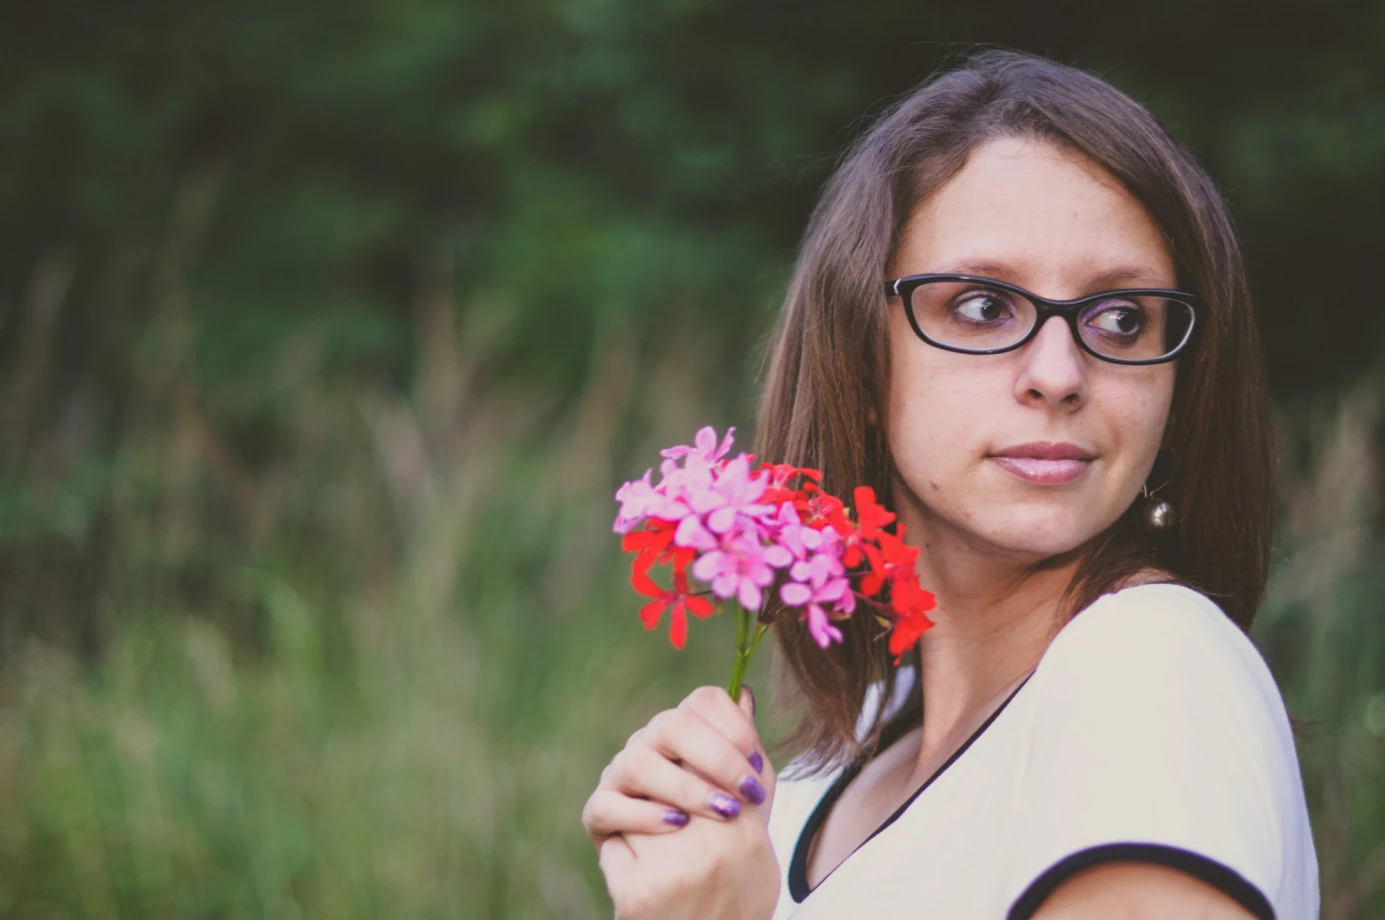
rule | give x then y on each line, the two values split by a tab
692	532
639	500
636	498
742	567
734	492
834	591
731	523
817	553
821	628
706	452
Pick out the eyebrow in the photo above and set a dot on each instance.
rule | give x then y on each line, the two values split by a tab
1124	274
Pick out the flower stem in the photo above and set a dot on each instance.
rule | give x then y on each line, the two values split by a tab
745	649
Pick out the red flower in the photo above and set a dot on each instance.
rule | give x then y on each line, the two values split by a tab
654	546
649	542
880	562
909	626
870	515
781	473
890	559
679	599
779	492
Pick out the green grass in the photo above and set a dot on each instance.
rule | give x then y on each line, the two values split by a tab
387	687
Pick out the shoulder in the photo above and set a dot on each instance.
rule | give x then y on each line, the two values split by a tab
1156	673
1145	636
1157	734
1151	608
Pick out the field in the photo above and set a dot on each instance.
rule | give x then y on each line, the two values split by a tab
390	688
328	331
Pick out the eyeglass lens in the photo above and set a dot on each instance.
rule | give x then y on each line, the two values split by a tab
965	315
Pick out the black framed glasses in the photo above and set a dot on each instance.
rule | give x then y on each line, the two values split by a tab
981	316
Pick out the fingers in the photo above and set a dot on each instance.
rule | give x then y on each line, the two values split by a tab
685	737
614	856
609	812
647	768
714	705
747	703
702	758
737	724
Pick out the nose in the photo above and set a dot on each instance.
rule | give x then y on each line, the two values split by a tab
1054	372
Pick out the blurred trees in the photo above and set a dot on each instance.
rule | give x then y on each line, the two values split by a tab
637	163
326	330
193	194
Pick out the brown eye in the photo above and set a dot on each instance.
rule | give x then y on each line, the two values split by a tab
982	307
1119	319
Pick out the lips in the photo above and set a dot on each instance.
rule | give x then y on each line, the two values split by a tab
1045	462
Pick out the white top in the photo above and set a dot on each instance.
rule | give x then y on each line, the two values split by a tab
1152	730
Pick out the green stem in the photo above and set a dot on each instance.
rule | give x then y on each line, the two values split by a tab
745	650
759	634
738	664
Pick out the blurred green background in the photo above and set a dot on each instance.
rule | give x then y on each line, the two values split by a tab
327	331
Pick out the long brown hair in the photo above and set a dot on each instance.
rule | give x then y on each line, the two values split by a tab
822	402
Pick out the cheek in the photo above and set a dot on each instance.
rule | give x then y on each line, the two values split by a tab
935	399
1137	411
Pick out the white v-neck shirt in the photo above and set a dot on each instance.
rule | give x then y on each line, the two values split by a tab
1151	730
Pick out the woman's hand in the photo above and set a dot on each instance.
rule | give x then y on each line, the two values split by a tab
681	815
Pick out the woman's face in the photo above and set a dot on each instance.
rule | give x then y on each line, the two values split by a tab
970	435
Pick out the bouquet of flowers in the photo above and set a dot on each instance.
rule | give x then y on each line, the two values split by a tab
741	529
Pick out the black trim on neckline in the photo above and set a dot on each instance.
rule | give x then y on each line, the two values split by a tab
798	866
1216	874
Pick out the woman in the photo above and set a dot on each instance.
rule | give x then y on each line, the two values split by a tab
1087	727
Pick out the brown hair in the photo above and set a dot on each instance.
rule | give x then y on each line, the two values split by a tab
829	368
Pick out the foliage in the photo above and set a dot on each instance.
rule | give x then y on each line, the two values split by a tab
319	328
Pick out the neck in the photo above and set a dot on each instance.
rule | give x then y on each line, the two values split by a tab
996	614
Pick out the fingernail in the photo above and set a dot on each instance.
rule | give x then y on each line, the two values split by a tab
757	761
752	790
675	817
724	805
752	700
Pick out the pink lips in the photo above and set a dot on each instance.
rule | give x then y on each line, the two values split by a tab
1045	462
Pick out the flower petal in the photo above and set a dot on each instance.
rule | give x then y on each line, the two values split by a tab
708	565
722	519
778	556
725	585
641	582
821	629
651	612
678	626
700	606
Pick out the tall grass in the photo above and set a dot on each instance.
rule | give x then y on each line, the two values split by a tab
1323	630
376	676
378	673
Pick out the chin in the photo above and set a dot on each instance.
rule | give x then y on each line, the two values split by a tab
1039	532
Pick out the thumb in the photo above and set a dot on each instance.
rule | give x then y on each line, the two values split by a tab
747	701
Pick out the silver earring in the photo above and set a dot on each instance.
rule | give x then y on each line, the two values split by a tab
1159	515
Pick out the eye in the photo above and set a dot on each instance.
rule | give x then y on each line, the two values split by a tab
982	307
1117	318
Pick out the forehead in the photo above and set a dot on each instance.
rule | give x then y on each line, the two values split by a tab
1031	213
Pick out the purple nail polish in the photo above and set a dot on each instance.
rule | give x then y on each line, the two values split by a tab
752	790
724	805
757	761
675	817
